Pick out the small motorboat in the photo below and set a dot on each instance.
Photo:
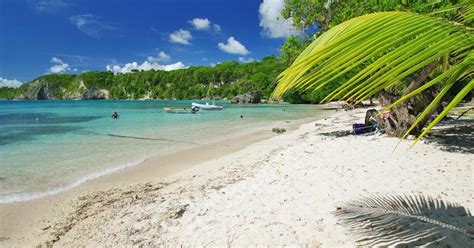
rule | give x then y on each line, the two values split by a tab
193	110
207	106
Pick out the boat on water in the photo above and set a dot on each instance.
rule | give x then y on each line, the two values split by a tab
207	106
192	110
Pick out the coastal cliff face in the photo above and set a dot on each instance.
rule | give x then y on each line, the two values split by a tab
95	94
39	90
31	91
249	97
43	89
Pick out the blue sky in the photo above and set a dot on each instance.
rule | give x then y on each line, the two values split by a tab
71	36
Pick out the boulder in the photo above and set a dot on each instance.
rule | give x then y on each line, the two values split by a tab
249	97
95	94
278	130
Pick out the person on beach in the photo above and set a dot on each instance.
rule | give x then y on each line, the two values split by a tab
115	115
241	117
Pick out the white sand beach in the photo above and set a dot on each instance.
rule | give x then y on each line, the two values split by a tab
282	190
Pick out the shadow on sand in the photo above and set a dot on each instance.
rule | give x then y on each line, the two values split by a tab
454	138
389	220
450	135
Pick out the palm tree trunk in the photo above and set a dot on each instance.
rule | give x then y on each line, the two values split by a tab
404	115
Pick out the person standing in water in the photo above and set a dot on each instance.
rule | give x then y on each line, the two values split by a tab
115	115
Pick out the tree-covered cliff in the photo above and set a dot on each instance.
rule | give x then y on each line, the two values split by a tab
225	80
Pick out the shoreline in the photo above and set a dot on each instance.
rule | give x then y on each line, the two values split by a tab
157	167
105	171
272	191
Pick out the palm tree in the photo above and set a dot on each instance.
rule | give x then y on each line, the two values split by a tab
426	58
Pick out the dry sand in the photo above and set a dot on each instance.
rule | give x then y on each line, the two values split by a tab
279	191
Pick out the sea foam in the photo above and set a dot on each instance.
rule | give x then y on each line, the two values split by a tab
10	198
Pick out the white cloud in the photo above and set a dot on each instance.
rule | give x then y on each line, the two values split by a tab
49	6
145	66
90	25
273	24
172	67
200	23
181	36
233	46
56	60
246	60
162	57
59	66
204	24
216	27
11	83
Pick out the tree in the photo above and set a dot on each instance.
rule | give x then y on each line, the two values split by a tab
414	52
292	47
324	14
316	16
8	92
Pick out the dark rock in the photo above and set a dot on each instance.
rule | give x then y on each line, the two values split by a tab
44	93
95	94
249	97
278	130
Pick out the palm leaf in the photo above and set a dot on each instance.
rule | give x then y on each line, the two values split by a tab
465	11
453	74
381	50
391	220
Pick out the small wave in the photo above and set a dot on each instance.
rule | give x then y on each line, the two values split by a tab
34	195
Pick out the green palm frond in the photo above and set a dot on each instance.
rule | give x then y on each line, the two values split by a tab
392	220
381	50
456	72
465	11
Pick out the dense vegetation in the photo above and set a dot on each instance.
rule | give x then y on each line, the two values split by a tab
225	80
317	16
8	93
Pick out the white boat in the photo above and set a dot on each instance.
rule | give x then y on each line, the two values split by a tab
207	106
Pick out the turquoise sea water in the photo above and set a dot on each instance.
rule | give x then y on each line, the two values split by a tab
49	146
